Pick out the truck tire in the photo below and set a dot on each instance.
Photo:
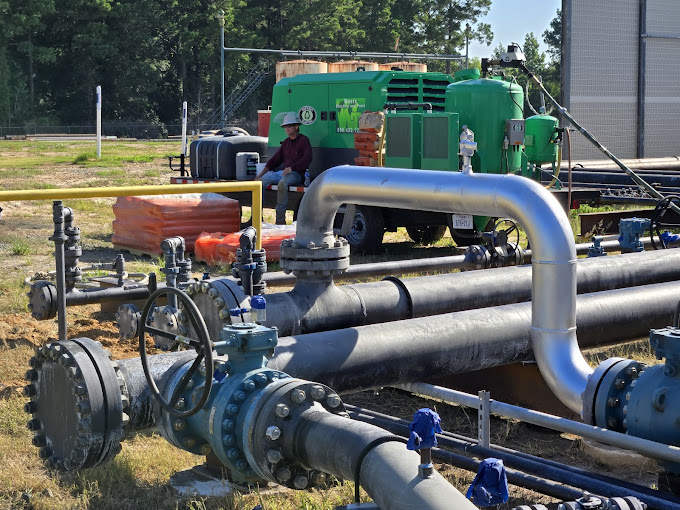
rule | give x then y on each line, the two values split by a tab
426	234
367	230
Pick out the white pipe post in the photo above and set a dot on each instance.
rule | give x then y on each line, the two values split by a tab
184	128
99	121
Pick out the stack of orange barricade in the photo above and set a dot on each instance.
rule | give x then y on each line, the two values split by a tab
141	223
220	248
367	140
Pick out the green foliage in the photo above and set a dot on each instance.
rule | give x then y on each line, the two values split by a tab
149	56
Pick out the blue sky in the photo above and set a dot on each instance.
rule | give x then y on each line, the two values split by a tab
511	20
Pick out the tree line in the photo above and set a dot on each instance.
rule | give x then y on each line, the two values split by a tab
150	55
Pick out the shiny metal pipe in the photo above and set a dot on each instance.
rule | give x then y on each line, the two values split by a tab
532	206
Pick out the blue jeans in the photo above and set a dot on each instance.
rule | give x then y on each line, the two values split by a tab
283	182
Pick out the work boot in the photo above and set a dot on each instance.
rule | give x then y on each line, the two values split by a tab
280	221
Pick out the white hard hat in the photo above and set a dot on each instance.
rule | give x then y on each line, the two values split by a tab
290	119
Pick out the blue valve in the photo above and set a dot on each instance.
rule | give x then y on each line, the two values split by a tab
490	486
258	310
235	312
425	424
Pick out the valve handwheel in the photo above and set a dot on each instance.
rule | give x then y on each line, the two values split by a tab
496	231
656	224
203	345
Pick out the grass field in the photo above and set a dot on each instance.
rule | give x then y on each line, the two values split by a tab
139	475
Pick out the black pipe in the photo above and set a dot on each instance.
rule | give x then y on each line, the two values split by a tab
388	471
59	239
424	265
320	306
592	482
620	178
430	347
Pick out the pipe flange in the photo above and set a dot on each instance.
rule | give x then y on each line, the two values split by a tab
271	424
165	318
127	320
42	300
594	381
216	298
78	374
312	260
478	256
608	392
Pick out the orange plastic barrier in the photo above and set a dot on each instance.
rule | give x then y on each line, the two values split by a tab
220	248
143	222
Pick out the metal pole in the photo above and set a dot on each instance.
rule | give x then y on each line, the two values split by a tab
99	122
549	421
184	128
348	54
220	16
642	57
484	419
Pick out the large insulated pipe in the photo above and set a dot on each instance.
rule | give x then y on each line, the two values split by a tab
317	305
389	472
432	347
553	330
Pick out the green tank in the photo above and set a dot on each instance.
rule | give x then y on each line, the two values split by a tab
484	105
539	139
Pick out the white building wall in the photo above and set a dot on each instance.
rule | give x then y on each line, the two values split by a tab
601	81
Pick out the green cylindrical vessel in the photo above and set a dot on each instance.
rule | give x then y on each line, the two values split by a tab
539	139
484	105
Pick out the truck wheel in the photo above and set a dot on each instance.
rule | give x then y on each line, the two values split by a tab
367	230
426	235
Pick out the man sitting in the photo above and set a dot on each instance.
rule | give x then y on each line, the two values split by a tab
295	154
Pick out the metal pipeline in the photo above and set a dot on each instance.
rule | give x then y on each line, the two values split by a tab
318	305
389	472
553	328
430	347
279	278
351	359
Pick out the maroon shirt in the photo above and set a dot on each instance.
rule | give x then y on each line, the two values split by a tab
296	154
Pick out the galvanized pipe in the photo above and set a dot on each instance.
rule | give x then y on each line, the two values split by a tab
553	328
659	451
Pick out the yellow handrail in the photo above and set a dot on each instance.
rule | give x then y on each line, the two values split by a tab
255	187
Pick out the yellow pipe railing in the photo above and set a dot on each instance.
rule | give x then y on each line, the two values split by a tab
255	187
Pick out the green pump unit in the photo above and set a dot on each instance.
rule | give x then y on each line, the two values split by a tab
484	105
329	106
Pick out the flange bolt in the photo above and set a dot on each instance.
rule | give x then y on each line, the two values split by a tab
300	481
274	456
282	410
333	401
298	396
273	433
